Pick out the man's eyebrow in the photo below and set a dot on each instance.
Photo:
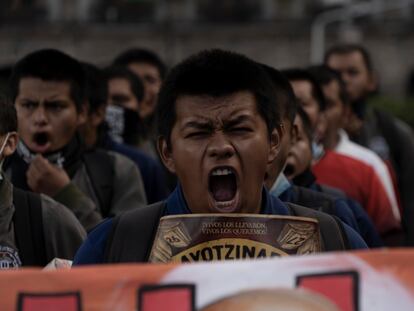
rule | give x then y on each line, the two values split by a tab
238	119
54	100
198	124
28	100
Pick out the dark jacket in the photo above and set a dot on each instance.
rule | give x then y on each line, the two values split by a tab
393	141
343	206
93	249
60	232
151	171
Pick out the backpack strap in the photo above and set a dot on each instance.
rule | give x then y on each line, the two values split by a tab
333	233
100	168
314	200
333	192
133	233
28	228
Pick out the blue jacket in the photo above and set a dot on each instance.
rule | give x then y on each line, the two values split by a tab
93	249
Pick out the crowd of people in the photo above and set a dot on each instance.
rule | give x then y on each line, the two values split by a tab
92	158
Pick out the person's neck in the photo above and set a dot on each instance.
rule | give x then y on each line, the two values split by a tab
304	179
97	137
331	140
359	106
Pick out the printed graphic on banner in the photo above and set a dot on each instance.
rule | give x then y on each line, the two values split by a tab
207	237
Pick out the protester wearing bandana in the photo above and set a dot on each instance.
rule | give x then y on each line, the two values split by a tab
34	229
49	92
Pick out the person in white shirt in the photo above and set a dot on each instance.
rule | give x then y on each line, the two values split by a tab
337	139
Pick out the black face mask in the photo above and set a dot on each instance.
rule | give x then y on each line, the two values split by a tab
124	125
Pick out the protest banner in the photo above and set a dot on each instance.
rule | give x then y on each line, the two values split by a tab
369	280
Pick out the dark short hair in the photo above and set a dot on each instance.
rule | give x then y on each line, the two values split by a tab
216	73
285	96
8	116
140	55
137	87
297	74
325	75
347	48
307	125
96	87
51	65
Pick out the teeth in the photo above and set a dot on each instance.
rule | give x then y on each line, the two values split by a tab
220	172
224	204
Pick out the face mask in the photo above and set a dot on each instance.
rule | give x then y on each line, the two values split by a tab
4	144
317	151
124	124
56	158
1	152
281	185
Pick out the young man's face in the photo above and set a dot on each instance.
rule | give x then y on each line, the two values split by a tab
335	111
358	80
120	94
303	91
220	149
47	115
151	78
300	155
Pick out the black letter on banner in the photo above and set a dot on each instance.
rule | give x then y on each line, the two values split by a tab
341	287
172	297
49	301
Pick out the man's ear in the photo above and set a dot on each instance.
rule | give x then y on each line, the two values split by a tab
373	82
11	144
275	140
165	154
83	113
98	116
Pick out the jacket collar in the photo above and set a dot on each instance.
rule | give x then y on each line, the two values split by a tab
271	205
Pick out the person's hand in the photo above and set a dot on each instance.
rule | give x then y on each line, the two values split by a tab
47	178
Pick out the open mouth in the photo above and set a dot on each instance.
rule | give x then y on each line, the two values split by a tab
41	142
223	188
41	139
289	170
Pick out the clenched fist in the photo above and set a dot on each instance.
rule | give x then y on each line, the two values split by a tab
45	177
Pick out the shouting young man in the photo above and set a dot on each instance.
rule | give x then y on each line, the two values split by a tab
219	128
49	92
34	229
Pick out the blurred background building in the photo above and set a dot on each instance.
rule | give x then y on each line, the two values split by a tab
282	33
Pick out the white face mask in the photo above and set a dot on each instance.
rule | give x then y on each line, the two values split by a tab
1	153
4	144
